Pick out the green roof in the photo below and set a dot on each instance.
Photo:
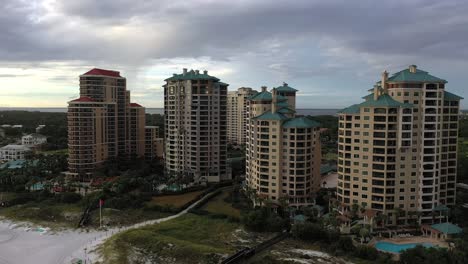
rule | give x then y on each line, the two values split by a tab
441	207
266	96
299	218
300	122
282	104
451	97
191	75
222	83
354	109
16	164
447	228
271	116
286	110
418	76
368	97
285	88
384	100
326	168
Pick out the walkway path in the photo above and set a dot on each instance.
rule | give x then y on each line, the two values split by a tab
19	246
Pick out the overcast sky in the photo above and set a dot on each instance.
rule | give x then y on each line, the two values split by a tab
332	51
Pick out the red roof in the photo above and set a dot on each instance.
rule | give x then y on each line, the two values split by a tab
103	72
135	105
83	99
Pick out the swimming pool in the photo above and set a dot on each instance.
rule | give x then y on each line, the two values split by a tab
397	248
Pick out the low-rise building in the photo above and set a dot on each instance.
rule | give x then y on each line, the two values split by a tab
154	145
13	152
33	140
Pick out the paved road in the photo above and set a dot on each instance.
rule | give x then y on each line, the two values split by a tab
18	246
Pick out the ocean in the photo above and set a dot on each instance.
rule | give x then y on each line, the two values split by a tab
312	112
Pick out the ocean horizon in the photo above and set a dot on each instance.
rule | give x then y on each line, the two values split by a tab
300	111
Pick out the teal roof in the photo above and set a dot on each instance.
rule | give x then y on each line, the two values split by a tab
16	164
299	218
191	75
222	83
285	88
300	122
354	109
326	168
418	76
441	207
447	228
271	116
266	96
451	97
384	100
286	110
282	104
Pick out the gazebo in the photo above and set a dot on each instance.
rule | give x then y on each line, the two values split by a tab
441	230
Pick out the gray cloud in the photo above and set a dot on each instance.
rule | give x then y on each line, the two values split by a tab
272	38
88	29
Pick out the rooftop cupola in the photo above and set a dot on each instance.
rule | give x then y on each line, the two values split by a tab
376	92
184	71
274	100
205	72
197	72
384	82
264	88
413	68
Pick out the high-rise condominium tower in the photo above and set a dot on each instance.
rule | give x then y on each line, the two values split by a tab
282	151
102	123
237	115
398	149
195	126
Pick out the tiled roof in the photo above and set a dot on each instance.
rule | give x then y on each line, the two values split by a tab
271	116
300	122
384	100
447	228
286	110
83	99
191	75
451	97
103	72
285	88
418	76
267	96
135	105
354	109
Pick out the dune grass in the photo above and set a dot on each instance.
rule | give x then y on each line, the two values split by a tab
175	201
217	205
187	239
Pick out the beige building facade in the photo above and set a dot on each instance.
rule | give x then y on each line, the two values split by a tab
283	151
103	123
398	149
195	126
237	114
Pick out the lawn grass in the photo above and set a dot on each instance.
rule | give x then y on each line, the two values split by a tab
187	239
176	201
217	205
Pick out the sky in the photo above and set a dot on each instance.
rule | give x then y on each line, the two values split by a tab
332	51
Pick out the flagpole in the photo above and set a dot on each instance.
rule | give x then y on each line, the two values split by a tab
100	214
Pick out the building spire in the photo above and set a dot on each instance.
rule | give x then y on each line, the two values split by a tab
274	100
